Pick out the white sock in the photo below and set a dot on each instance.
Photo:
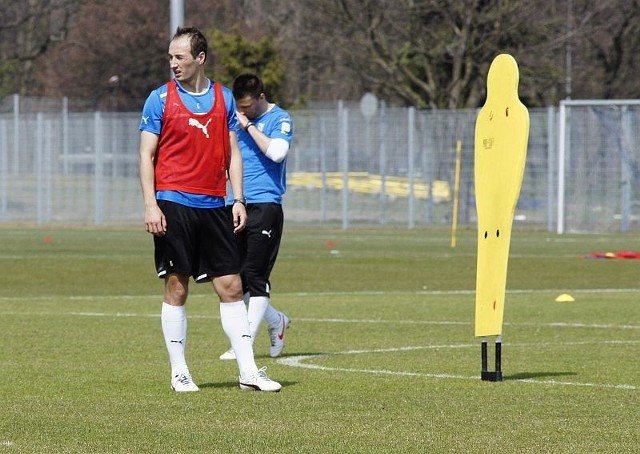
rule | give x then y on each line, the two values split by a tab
272	316
257	306
235	325
174	328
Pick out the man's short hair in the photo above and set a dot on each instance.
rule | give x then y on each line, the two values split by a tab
196	38
247	85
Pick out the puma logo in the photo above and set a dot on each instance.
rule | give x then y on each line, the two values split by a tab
197	124
267	232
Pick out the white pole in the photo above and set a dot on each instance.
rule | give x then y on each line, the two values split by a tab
177	16
176	20
568	49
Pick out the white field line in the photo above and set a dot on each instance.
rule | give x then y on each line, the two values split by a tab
322	294
445	322
339	320
301	361
469	292
364	293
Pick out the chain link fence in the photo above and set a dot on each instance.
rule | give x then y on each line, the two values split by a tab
60	164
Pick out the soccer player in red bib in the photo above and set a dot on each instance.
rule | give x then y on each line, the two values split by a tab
188	147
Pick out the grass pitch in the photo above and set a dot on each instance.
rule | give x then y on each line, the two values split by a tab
380	355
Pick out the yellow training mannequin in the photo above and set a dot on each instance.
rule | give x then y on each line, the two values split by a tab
501	136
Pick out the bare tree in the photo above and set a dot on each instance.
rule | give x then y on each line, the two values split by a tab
113	56
609	46
424	53
436	53
28	29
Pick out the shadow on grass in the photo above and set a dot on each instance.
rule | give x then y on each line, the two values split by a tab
235	384
219	385
529	375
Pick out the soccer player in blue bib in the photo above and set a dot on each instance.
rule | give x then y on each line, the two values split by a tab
265	135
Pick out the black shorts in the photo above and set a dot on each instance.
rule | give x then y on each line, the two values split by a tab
258	245
199	242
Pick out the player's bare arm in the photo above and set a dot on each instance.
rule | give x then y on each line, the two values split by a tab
154	220
275	149
262	140
235	179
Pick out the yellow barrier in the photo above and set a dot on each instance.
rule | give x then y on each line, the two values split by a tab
367	183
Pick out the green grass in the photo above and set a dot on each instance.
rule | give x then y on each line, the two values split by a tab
380	355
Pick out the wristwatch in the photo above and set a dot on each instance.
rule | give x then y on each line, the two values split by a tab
242	200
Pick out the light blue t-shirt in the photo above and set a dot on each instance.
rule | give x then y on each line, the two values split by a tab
198	104
265	181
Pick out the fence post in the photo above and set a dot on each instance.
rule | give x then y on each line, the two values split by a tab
4	161
625	170
411	115
382	134
98	150
65	135
16	134
47	162
323	167
427	164
39	164
551	121
561	152
343	152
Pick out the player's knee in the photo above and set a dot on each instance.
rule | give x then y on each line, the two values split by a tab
228	288
176	289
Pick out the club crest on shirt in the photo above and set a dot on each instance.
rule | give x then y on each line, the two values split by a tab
285	127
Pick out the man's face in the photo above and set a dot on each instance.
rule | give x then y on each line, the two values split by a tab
249	106
181	62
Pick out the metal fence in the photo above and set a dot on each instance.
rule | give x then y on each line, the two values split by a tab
348	167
